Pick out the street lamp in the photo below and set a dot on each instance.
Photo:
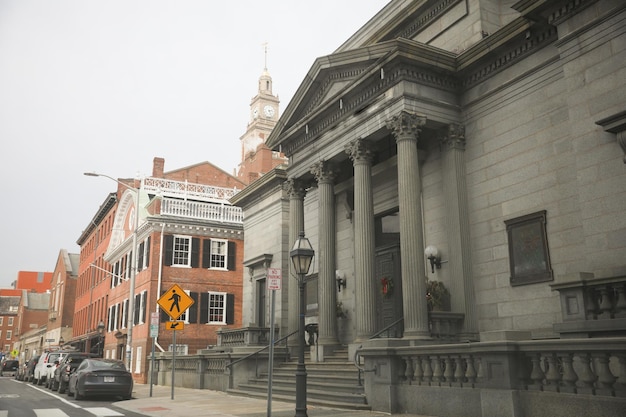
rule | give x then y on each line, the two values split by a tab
301	255
133	268
101	339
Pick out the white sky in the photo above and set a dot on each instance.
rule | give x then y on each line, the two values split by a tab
106	86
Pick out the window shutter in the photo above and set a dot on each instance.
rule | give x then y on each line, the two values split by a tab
140	257
206	253
164	316
195	252
230	308
143	303
204	308
192	314
169	250
136	315
231	255
148	252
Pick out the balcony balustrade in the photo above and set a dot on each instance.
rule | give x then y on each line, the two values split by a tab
214	212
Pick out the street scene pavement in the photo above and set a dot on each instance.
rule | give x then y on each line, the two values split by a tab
188	402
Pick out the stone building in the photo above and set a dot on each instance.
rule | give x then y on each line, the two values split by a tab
479	144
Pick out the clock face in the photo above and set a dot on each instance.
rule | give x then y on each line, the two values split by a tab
269	111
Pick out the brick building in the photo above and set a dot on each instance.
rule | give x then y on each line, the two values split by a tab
187	233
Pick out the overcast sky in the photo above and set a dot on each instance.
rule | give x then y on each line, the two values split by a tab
106	86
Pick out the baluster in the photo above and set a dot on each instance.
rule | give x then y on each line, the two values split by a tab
536	375
470	371
428	371
586	377
605	303
620	384
448	372
620	303
605	377
591	303
569	377
437	371
459	371
417	371
553	376
408	373
480	373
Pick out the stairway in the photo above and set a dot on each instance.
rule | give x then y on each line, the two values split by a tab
332	383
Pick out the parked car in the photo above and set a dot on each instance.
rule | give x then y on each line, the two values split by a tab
9	366
46	366
103	377
21	371
30	369
61	377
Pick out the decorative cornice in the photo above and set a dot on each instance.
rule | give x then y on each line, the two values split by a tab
567	10
427	14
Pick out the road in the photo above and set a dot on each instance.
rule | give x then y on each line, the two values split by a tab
22	399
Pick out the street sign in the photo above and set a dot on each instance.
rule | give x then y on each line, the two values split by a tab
154	324
175	325
274	278
175	301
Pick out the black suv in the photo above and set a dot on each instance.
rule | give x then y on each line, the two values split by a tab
63	370
9	366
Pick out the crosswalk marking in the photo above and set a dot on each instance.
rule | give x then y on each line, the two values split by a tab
4	413
57	412
102	412
49	412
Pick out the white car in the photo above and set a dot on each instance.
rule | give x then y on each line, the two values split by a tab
44	369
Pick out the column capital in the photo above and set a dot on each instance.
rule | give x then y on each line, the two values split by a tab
360	150
453	136
295	188
324	171
406	125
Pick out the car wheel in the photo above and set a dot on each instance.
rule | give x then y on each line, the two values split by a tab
61	387
40	381
77	395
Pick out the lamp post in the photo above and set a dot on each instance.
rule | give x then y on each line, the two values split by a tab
61	341
133	268
101	339
301	255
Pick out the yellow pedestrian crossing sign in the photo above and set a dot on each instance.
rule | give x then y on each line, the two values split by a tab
175	325
175	301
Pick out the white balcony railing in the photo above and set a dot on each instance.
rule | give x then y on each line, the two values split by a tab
214	212
187	190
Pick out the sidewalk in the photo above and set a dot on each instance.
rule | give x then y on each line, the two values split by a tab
201	403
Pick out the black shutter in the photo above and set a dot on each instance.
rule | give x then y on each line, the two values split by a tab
206	253
164	316
169	250
148	252
192	314
143	302
140	257
136	315
204	308
195	252
230	308
231	255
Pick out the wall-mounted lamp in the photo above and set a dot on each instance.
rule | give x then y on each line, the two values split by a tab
432	254
340	276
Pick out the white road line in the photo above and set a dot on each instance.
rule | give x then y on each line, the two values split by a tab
4	413
50	393
102	411
50	412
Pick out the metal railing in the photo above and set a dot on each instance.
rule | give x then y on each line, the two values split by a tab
256	353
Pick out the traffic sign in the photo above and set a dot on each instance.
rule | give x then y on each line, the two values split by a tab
274	278
175	325
175	301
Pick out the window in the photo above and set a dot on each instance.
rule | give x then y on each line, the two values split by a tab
140	308
219	252
182	251
1	320
217	308
529	258
9	334
10	321
185	316
0	334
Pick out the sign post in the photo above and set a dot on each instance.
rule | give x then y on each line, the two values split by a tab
154	333
274	279
174	302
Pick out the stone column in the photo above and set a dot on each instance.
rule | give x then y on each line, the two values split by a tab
325	174
459	244
406	128
365	304
296	191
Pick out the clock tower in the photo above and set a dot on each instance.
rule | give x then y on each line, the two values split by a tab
256	158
